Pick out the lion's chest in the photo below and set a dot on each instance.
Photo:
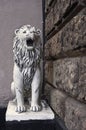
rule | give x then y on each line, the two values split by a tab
27	58
28	74
28	67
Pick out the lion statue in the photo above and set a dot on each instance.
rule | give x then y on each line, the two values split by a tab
26	73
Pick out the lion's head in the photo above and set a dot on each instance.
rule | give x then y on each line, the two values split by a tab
28	35
26	48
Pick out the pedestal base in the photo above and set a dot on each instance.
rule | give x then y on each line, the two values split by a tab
42	120
45	114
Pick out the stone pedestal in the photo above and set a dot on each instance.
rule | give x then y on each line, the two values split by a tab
29	120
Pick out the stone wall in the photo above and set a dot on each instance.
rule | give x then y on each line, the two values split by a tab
65	68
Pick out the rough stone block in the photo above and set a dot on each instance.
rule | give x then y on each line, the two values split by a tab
49	1
49	71
56	14
53	46
46	5
49	21
48	90
57	101
74	33
56	45
82	79
69	75
47	26
48	48
75	115
59	8
66	74
71	38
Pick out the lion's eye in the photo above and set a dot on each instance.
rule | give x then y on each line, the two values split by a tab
24	32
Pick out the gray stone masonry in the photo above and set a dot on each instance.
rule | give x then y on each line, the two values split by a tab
69	75
70	41
65	67
71	111
75	115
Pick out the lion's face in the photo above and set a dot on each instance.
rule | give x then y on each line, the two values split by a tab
27	34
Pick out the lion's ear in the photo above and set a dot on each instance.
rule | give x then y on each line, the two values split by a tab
29	26
38	32
16	31
37	35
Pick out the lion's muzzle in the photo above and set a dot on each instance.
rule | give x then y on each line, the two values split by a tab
29	42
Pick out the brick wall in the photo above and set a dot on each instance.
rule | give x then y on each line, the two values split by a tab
65	68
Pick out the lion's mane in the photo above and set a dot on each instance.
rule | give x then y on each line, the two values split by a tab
26	60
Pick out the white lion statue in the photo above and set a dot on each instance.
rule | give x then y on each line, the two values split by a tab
26	74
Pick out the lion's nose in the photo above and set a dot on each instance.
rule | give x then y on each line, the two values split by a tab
29	42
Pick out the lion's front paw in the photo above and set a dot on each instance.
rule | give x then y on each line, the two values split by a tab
20	109
35	108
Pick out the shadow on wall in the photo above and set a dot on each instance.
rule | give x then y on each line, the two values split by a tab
13	14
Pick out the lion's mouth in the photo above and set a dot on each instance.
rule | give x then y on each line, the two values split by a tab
29	42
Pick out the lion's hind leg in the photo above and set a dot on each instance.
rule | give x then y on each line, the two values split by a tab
13	91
